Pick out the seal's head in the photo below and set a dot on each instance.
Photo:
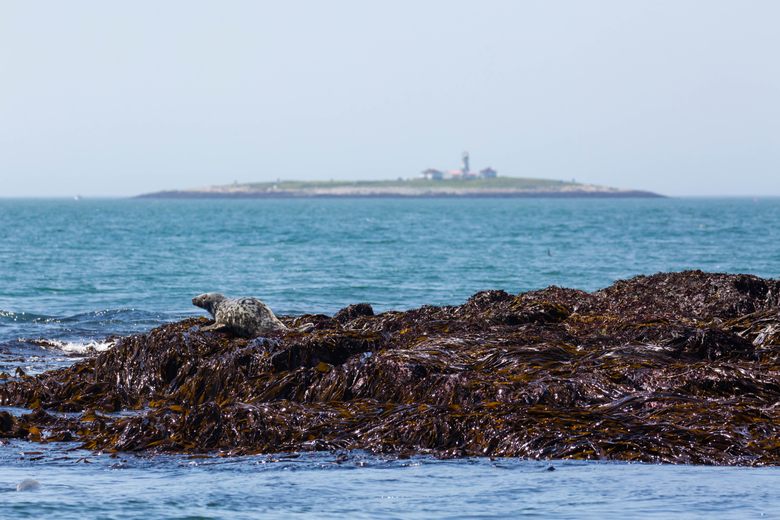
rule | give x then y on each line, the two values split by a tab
208	301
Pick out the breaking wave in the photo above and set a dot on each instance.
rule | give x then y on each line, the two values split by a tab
75	347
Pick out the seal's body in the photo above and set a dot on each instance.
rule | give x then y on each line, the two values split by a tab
245	317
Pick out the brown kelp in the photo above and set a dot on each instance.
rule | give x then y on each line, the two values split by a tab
677	367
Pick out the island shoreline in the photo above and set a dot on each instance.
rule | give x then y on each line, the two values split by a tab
425	195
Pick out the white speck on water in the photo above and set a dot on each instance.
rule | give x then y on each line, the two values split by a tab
28	484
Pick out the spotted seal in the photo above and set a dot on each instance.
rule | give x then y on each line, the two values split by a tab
245	317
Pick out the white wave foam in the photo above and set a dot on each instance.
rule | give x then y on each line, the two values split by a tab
78	347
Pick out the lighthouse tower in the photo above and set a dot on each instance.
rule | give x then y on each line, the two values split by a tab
465	164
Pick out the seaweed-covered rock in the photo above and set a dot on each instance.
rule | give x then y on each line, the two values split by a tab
674	367
352	312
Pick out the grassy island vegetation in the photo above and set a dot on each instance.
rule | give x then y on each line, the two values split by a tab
521	183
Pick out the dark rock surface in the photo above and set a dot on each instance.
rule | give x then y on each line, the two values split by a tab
674	367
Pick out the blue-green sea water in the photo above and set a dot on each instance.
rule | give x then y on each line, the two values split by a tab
75	273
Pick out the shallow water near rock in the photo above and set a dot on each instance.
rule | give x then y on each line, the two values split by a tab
329	485
77	274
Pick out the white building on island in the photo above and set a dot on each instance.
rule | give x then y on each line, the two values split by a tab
432	175
464	173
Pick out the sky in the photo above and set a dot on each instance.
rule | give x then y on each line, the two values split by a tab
103	98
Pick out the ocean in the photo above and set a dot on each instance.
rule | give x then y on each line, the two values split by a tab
74	274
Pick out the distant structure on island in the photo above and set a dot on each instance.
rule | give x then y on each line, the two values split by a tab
464	173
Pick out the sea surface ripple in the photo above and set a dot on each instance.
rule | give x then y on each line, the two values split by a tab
76	274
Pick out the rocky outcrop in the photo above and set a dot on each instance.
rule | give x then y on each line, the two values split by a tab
677	367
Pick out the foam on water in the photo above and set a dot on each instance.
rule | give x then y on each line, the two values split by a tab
77	347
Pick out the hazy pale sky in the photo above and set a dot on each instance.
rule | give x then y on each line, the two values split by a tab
119	98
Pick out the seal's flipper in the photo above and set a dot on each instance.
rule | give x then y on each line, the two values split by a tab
214	327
